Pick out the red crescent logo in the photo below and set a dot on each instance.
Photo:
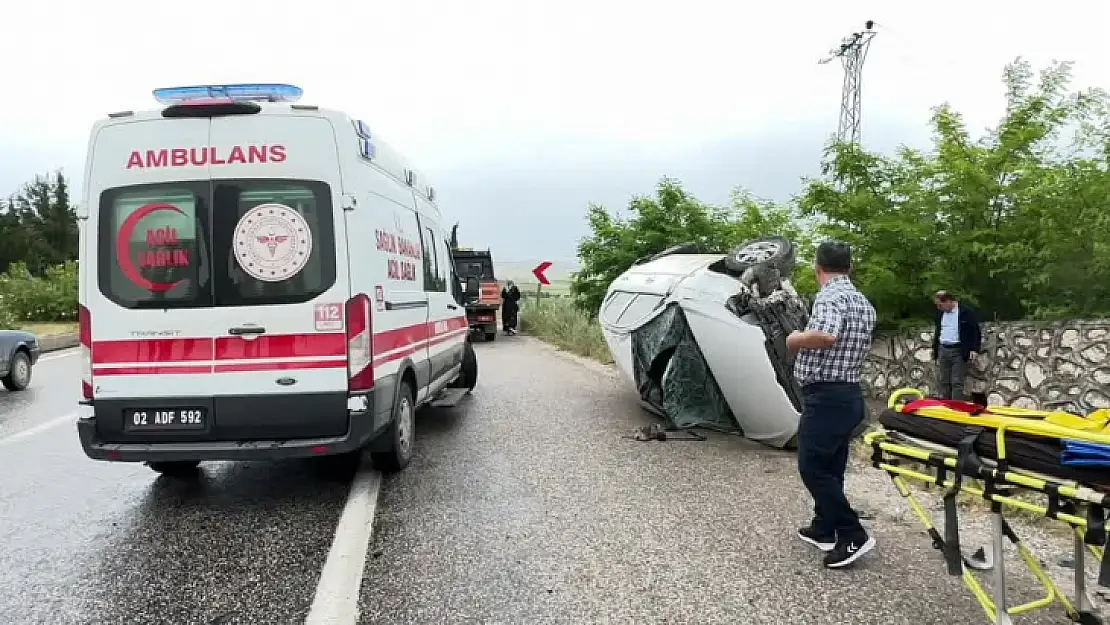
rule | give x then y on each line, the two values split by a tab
123	246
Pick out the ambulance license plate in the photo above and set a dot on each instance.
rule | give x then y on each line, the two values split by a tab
165	419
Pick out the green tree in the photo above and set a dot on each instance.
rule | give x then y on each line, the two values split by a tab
38	225
1012	221
670	217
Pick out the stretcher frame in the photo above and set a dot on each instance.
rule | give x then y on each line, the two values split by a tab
1080	507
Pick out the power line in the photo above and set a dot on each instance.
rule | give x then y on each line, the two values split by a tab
852	52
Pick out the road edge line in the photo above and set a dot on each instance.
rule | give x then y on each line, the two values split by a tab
337	593
38	429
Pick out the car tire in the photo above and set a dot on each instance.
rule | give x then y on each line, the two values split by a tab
468	374
19	372
491	336
176	468
400	432
775	251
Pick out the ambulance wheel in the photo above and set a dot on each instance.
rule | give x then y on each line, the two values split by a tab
398	453
19	372
176	468
468	376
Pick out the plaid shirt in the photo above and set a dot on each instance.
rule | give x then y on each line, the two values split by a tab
842	311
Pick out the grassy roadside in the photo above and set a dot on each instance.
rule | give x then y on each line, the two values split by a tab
48	328
556	321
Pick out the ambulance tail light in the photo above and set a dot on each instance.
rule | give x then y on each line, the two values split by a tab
84	333
360	339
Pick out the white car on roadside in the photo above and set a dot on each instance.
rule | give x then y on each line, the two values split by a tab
701	337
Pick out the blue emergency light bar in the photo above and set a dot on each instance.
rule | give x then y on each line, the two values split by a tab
267	92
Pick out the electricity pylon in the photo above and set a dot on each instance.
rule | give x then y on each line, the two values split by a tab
852	52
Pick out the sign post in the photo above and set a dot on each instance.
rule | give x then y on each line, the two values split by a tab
538	272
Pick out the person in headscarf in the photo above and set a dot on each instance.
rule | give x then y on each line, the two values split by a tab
510	307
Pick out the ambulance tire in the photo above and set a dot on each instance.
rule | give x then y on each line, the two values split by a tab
399	435
468	375
176	468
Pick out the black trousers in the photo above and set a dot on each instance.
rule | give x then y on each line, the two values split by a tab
830	413
509	316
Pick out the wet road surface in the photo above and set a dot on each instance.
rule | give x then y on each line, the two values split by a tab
91	542
531	507
525	504
53	393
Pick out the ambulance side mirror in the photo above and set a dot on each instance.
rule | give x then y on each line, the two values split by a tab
473	288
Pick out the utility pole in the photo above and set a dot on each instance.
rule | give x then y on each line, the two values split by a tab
852	52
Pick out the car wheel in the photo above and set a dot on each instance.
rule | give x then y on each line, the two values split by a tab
491	336
468	375
777	252
400	433
19	372
176	468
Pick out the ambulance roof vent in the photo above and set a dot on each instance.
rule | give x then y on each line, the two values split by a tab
209	94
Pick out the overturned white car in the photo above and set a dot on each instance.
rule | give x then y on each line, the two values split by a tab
702	337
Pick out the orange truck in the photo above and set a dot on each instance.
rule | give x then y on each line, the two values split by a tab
481	311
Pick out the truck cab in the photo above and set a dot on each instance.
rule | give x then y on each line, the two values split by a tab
481	307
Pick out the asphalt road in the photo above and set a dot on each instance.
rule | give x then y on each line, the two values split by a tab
90	542
525	504
531	507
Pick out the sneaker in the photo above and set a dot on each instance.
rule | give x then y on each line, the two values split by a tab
847	552
811	536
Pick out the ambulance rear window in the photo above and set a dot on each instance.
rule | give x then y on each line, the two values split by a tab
219	243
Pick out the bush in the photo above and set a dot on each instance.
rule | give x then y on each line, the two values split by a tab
7	319
24	297
559	322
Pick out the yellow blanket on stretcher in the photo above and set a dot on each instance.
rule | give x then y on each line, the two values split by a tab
1097	422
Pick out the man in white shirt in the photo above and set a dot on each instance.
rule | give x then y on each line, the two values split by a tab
956	342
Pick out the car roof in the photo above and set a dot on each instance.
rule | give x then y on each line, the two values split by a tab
677	264
660	276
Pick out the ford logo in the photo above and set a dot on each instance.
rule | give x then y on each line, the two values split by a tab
286	381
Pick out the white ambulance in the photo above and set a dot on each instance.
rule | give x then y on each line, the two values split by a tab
260	279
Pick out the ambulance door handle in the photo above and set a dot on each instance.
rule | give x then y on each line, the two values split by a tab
452	307
241	330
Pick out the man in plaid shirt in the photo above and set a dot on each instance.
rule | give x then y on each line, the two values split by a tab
830	357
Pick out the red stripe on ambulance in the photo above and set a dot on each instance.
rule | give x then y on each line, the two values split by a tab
279	366
151	350
204	355
153	370
281	346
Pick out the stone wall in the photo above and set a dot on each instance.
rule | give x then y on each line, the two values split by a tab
1022	364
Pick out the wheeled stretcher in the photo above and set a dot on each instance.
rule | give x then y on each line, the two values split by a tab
997	452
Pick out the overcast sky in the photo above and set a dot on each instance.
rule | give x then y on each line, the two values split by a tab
523	111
